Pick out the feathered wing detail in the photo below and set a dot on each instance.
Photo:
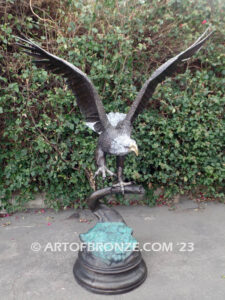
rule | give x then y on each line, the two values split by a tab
113	117
87	97
168	68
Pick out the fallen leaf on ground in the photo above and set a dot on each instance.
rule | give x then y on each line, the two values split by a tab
84	220
3	215
6	224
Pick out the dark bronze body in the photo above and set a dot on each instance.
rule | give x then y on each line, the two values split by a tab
91	271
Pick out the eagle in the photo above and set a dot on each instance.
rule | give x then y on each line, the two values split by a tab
114	128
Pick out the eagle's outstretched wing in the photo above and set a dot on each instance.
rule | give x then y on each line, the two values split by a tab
87	97
168	68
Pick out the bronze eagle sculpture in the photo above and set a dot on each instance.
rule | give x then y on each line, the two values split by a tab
114	128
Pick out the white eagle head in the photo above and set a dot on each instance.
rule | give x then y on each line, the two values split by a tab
123	144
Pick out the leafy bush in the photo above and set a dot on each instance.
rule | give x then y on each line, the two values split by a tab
45	145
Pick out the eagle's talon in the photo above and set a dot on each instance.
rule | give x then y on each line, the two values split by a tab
122	184
103	170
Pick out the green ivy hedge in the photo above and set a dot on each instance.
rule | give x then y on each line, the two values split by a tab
45	145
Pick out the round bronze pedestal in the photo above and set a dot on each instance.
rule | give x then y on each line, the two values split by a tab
109	276
117	278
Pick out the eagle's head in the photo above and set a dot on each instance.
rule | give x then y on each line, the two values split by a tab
123	144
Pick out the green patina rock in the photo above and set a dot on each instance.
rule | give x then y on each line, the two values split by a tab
111	241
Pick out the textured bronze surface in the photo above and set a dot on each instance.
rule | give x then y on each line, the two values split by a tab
114	137
111	280
116	277
91	271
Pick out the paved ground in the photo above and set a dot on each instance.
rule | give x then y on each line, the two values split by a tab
173	274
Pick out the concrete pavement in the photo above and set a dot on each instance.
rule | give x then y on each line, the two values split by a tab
184	251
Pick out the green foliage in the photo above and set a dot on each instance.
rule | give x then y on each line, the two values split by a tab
45	145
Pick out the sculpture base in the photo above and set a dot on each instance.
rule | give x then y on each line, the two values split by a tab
113	279
109	271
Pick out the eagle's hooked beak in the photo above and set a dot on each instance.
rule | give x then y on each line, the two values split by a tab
134	148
